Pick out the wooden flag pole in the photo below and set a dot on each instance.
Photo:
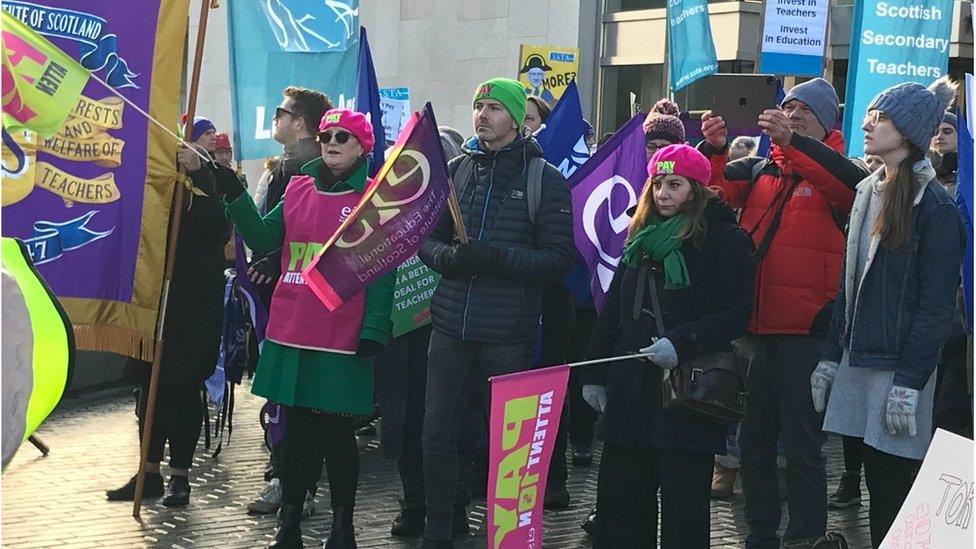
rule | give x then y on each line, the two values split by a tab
455	209
174	231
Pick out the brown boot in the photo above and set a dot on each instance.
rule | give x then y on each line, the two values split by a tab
723	479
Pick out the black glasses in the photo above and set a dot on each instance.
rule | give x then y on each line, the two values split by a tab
340	137
279	112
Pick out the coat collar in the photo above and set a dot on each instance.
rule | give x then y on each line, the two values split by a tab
357	181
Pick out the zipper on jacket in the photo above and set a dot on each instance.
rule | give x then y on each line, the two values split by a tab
481	232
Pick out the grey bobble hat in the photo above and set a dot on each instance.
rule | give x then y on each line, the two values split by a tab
916	111
820	96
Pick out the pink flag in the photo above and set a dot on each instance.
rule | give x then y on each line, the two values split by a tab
525	410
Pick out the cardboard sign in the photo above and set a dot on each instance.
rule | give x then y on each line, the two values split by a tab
546	71
938	511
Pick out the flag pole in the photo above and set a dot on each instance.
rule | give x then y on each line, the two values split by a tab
455	209
174	231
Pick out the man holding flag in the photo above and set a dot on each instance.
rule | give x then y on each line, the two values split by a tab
487	306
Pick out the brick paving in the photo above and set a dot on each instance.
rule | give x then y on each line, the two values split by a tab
59	500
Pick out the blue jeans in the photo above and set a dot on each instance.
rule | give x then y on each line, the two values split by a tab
780	404
456	372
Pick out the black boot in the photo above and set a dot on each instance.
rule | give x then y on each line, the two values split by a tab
178	491
289	535
589	523
153	488
343	535
557	497
461	526
409	523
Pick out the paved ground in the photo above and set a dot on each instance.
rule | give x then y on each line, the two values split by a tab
59	500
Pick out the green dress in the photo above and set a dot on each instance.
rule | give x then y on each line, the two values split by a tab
304	378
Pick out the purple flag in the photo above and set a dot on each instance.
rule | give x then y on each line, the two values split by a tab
256	309
604	188
399	208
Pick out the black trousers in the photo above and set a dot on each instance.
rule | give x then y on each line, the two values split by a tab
178	419
627	498
582	416
557	334
852	454
780	405
456	372
889	478
310	436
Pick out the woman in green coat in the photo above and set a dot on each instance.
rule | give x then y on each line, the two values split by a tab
315	362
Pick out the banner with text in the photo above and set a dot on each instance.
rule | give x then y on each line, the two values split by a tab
399	208
892	42
794	37
260	70
92	201
415	285
312	25
395	104
691	52
938	511
546	71
524	420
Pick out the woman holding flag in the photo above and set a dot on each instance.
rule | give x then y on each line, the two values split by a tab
683	244
315	362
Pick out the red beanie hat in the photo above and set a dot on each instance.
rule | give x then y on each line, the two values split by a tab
351	121
683	160
222	141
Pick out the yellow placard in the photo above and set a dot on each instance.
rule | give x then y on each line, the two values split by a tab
546	71
100	190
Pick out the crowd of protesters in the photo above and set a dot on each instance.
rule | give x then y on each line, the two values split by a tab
836	279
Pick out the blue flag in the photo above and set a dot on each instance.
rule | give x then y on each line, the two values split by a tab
368	102
964	195
260	70
691	52
563	138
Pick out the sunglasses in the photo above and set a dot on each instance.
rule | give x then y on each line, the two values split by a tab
873	118
340	137
279	112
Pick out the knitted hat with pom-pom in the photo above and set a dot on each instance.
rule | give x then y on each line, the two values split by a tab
916	111
663	122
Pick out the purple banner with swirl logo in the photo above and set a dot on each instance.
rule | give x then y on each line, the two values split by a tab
604	188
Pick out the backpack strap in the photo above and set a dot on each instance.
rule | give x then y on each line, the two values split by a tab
462	173
533	186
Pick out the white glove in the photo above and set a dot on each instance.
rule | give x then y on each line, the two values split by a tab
662	353
596	397
900	411
820	381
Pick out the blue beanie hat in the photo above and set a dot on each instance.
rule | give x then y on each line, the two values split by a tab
820	96
200	126
916	111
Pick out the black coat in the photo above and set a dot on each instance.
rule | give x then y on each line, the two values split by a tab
193	315
699	320
503	308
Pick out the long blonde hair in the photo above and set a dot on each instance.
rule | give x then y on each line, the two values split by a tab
694	209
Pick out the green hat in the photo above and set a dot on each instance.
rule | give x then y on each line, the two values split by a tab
506	91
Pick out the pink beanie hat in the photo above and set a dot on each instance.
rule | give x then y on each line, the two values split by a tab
351	121
683	160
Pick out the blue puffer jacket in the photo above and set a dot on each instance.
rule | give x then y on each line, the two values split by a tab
902	312
504	307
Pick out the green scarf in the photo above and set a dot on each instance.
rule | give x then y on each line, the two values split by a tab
660	241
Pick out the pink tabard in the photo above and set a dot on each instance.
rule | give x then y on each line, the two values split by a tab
298	318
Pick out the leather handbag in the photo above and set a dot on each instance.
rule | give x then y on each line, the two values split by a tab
710	387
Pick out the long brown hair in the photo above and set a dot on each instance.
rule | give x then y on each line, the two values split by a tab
894	222
694	209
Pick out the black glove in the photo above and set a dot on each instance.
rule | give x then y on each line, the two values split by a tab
368	348
268	266
227	182
476	257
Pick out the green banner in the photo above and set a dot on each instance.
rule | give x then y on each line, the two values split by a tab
415	284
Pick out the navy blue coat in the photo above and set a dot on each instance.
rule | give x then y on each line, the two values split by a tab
699	320
907	300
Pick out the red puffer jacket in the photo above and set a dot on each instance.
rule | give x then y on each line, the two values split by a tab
799	273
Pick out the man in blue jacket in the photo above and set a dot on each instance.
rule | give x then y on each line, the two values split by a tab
486	309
